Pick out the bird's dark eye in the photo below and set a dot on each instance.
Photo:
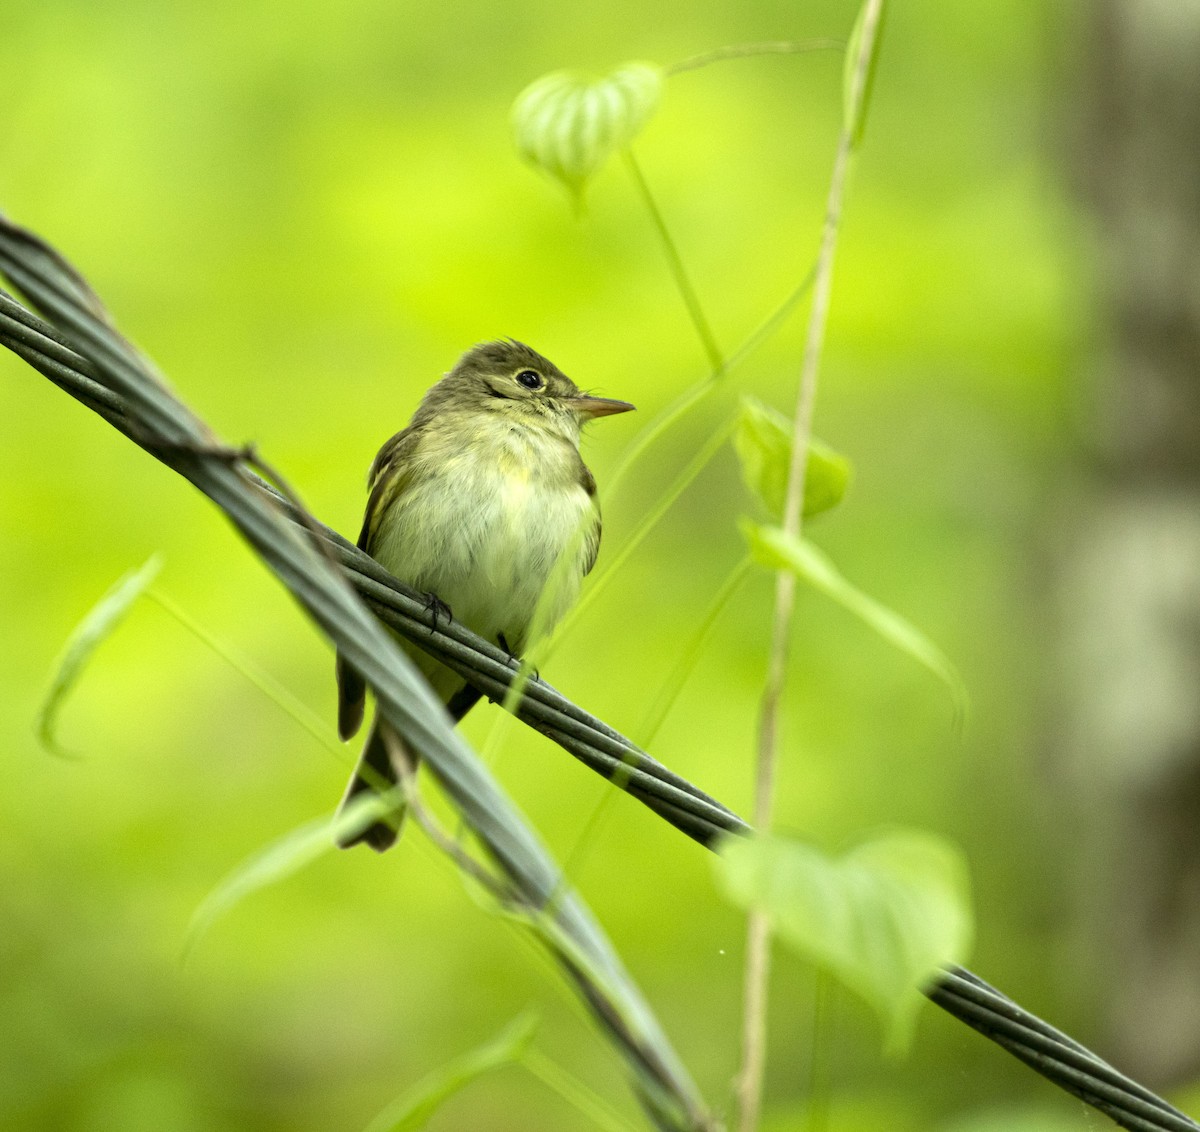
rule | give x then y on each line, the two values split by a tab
530	378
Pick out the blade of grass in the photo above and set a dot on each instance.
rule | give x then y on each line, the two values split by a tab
280	859
276	692
688	400
574	1091
413	1109
690	655
661	506
157	420
97	626
691	396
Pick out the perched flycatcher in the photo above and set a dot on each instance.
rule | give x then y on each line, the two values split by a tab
484	504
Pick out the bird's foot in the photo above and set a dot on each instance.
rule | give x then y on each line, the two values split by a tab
503	642
436	608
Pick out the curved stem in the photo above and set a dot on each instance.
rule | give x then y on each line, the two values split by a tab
687	292
745	50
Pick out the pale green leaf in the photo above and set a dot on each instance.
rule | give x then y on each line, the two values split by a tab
99	623
414	1109
284	857
882	919
854	113
569	125
763	442
775	549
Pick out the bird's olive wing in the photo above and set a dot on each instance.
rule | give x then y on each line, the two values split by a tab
390	474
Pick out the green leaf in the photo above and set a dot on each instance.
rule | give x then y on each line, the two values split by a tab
568	125
283	858
854	114
883	919
763	442
775	549
412	1110
99	623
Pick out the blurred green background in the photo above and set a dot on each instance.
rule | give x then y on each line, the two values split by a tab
304	213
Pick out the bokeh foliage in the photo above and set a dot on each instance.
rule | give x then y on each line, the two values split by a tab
304	214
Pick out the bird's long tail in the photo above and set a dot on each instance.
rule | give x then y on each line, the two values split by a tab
377	771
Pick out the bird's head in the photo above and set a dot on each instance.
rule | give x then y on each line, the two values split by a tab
517	383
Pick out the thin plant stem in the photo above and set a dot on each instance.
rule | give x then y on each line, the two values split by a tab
819	1060
682	405
696	393
317	727
572	1090
669	693
758	936
746	50
678	486
690	299
662	704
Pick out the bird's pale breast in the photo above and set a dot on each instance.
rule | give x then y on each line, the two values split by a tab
485	529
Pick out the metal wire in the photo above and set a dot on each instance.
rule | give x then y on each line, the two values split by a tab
962	994
1054	1055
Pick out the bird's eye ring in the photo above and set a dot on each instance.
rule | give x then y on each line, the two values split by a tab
530	378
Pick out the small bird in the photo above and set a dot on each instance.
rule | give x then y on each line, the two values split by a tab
481	503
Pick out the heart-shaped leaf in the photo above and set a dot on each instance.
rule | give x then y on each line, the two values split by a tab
763	442
883	919
569	125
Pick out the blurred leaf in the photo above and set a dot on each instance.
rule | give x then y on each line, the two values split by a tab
100	621
412	1110
775	549
283	858
763	442
854	118
569	126
882	919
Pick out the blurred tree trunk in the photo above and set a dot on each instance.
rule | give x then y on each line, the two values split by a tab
1133	569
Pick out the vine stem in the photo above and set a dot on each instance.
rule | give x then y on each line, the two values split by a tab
758	933
691	300
746	50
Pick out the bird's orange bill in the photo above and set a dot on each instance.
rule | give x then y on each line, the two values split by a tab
599	406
